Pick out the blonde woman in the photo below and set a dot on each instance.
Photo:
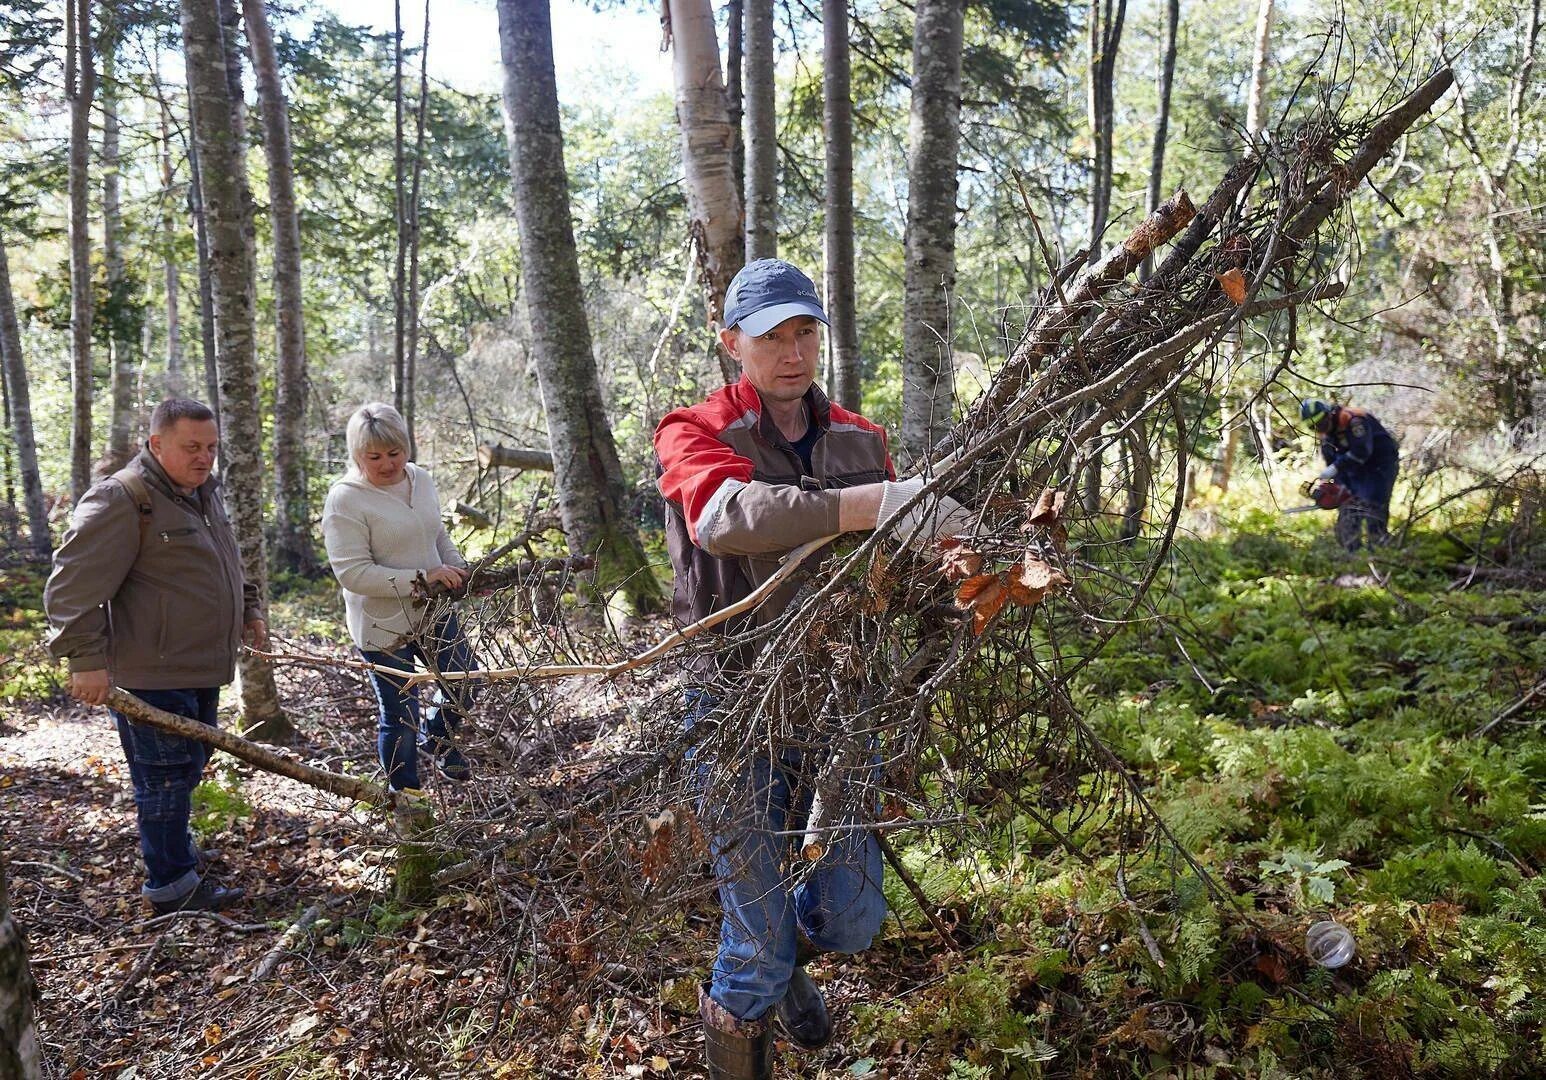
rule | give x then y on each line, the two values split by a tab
382	527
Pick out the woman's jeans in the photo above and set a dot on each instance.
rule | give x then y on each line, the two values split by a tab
838	904
397	709
165	768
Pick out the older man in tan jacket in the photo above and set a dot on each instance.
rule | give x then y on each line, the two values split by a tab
147	593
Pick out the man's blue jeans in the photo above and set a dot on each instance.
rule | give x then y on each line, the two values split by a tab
838	904
397	709
165	768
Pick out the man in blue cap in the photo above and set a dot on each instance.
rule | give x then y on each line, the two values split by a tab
1363	457
758	469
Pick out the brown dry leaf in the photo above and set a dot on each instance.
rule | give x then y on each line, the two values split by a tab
1272	967
1233	284
957	561
1039	577
656	857
1049	507
983	595
878	583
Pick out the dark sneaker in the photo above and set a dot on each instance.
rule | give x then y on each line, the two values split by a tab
207	897
452	763
803	1012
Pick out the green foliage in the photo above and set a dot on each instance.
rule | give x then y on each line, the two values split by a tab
1320	766
218	803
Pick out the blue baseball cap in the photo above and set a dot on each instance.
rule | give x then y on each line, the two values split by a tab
768	291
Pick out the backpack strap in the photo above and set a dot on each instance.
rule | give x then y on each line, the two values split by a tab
132	482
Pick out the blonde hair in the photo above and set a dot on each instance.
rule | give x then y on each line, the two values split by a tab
376	426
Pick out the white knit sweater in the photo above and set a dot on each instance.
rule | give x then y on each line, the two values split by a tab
376	543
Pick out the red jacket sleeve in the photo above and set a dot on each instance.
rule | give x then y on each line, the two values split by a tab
694	464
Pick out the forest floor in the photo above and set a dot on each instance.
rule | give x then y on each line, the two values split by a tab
1306	731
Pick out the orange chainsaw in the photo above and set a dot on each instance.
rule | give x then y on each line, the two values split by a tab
1323	494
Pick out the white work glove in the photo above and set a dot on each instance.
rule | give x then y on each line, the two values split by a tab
1328	473
931	518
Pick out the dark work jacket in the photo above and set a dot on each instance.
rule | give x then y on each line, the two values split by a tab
738	498
1365	454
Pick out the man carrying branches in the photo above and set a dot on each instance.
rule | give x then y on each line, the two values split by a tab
754	471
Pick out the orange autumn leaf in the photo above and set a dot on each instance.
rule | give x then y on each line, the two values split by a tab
957	561
1233	284
1049	507
983	596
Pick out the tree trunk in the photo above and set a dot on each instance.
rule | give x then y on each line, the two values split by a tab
174	348
837	109
1167	75
21	1057
708	138
1105	36
592	495
19	395
292	512
934	139
735	39
1234	404
761	133
399	202
79	84
123	345
411	360
206	286
222	176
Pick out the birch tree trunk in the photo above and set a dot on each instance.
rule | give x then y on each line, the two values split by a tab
592	495
21	1058
761	133
934	140
79	86
174	348
292	533
838	122
222	176
123	346
708	138
19	394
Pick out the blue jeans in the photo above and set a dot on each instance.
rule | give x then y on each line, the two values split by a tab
397	709
839	904
165	768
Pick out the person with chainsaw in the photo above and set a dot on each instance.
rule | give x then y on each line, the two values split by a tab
1362	459
756	470
147	592
382	527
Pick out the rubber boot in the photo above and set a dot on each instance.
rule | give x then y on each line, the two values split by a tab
803	1012
734	1049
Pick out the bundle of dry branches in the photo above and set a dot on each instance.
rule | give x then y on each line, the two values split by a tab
910	689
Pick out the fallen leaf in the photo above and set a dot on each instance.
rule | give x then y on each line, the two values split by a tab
1272	967
659	1064
1233	284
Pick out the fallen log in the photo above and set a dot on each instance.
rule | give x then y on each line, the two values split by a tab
499	456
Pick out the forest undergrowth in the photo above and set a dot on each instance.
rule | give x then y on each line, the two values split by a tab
1301	718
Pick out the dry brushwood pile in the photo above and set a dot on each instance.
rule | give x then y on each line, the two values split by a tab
911	685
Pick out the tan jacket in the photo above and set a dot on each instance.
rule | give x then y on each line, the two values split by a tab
162	614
